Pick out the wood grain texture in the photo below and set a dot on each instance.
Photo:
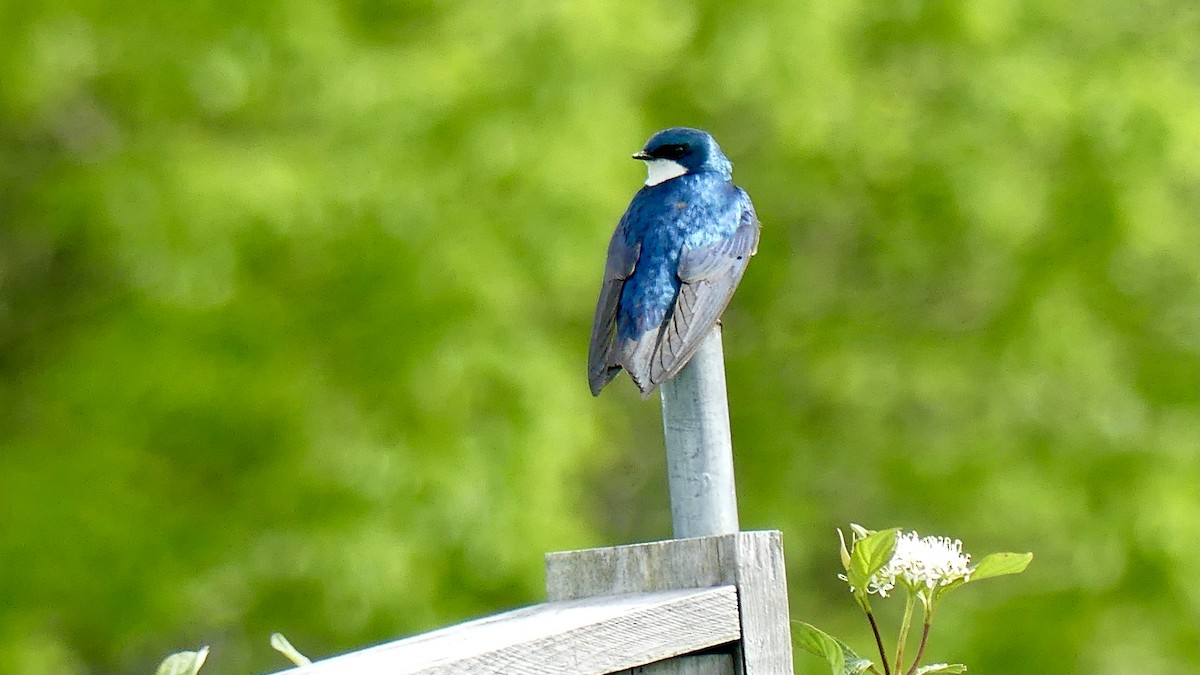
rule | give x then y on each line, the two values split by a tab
752	561
695	411
761	581
701	664
577	637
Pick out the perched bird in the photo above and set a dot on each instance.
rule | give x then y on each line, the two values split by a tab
673	263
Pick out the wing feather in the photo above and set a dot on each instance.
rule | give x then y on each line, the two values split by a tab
708	275
622	259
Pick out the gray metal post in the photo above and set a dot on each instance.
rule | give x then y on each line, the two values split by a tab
695	411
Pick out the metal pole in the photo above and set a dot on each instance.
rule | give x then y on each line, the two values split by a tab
695	411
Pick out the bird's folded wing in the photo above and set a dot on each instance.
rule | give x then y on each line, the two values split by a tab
622	258
708	277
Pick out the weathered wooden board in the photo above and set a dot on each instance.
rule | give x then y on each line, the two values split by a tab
700	664
588	636
752	561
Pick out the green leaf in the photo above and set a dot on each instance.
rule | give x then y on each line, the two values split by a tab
853	663
999	564
948	668
860	532
183	663
994	565
856	665
942	590
841	658
869	555
281	645
815	641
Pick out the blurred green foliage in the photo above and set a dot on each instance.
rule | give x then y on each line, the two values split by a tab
295	298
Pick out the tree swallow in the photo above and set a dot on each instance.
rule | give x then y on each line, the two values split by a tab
673	263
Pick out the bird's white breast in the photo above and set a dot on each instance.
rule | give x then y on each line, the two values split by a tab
659	170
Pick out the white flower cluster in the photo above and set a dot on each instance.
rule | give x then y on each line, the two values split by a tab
921	563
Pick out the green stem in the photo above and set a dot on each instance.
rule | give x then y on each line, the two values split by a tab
879	643
908	612
921	649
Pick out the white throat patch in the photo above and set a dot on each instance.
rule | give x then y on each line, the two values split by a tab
659	170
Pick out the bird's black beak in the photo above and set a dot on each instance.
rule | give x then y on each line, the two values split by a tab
642	155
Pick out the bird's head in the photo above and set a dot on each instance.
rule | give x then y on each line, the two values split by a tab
679	150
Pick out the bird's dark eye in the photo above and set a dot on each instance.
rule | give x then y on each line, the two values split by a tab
671	151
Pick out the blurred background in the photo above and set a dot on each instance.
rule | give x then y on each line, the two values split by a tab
295	299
